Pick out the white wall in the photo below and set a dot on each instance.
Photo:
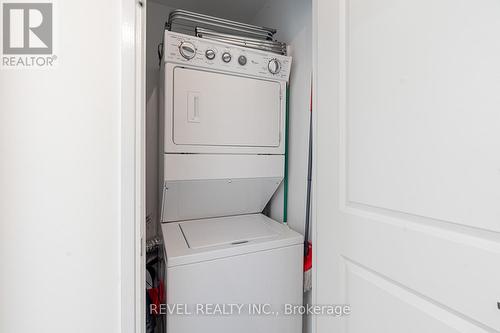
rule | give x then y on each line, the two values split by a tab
238	10
60	180
156	18
292	18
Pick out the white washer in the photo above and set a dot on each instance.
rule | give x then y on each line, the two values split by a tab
223	152
245	260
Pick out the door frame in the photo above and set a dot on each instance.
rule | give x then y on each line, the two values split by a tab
132	178
132	171
326	105
314	119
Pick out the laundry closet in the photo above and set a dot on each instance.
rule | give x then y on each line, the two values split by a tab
228	86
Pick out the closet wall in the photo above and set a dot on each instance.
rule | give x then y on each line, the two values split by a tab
293	19
156	18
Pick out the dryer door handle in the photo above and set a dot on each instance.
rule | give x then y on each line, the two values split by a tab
194	107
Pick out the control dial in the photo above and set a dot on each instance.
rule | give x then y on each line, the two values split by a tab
210	54
226	57
187	50
274	66
242	60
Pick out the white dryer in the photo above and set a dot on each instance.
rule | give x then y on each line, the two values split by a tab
223	99
223	153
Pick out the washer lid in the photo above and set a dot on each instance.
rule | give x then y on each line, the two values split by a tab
195	241
226	231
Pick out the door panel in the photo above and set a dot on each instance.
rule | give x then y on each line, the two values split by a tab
407	171
215	109
422	100
454	269
371	295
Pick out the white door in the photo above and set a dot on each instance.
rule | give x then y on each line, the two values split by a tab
407	172
213	109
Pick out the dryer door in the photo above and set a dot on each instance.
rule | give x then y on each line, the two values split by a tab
220	110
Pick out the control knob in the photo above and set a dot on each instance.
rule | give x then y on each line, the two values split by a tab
187	50
210	54
226	57
274	66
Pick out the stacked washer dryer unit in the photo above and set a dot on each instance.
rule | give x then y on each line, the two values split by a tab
224	129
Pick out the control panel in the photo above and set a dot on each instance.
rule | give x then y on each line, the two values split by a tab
185	49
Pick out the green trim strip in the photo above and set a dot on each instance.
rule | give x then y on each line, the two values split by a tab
285	180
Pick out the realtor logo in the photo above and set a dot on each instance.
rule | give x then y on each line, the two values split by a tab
27	30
